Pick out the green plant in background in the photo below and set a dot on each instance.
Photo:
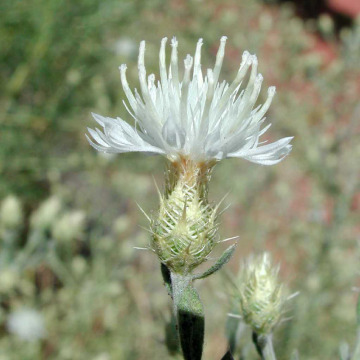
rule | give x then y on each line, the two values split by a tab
48	59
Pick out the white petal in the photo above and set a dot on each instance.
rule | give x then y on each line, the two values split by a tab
198	117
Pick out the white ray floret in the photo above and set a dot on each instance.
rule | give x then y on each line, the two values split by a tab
196	118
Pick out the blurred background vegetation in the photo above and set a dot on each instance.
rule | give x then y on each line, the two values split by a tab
68	217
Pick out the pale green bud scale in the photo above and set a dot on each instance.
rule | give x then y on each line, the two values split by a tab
261	296
185	231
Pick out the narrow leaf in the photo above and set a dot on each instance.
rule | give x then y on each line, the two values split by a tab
230	330
227	356
358	311
224	258
191	324
356	353
171	337
234	330
344	351
259	343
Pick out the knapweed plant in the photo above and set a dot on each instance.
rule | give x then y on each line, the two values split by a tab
195	121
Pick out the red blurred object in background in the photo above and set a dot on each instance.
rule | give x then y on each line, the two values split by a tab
347	7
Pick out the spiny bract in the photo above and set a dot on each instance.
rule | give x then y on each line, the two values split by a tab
261	296
185	230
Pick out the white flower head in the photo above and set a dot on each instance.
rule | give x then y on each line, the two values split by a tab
198	117
27	324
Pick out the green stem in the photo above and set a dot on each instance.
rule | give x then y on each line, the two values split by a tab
268	351
356	354
264	346
189	314
178	284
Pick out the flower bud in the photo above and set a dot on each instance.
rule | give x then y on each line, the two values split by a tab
11	215
69	226
46	214
79	266
9	279
185	231
122	225
261	295
326	25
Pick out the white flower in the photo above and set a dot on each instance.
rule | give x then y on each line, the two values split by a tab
197	118
27	324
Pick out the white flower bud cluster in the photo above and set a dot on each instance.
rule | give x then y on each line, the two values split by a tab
261	295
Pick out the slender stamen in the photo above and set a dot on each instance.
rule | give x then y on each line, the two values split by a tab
250	99
197	63
146	93
204	126
151	87
174	65
265	107
188	62
126	87
163	74
244	66
219	59
151	81
257	87
142	71
253	74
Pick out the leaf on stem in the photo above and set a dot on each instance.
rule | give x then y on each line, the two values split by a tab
224	258
227	356
234	329
171	337
358	311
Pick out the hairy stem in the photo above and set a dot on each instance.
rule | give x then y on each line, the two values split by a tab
178	284
268	352
264	346
189	314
